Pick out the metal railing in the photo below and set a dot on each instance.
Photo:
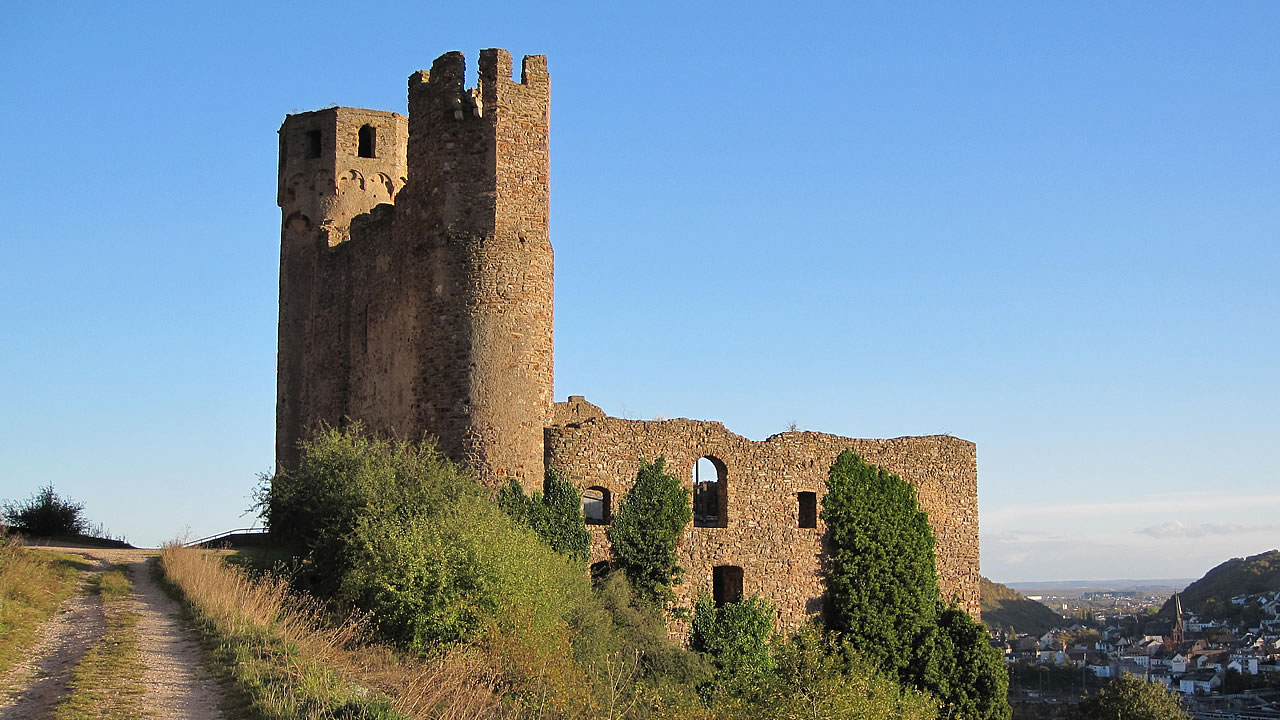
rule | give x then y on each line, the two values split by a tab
228	533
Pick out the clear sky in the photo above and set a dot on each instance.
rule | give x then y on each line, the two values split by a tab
1049	228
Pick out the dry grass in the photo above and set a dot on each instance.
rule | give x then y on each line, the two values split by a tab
289	661
32	585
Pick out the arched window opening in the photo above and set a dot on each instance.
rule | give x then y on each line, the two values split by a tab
726	584
709	493
313	144
808	509
595	506
368	146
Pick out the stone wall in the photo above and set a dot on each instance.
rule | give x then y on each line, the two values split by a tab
431	312
780	561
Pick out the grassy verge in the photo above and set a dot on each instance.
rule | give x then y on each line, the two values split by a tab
107	682
286	662
33	584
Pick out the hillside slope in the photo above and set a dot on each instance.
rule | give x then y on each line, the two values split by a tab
1211	595
1004	607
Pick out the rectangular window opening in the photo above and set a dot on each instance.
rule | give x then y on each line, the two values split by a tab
808	506
313	144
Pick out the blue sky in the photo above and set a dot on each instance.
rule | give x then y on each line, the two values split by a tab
1048	228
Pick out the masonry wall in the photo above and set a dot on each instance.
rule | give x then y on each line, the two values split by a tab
780	561
432	315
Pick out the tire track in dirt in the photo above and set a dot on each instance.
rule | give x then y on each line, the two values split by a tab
177	687
33	687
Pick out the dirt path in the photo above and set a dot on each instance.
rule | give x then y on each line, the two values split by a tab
177	688
32	688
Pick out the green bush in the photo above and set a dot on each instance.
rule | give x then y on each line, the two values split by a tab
971	680
345	477
649	522
45	513
1128	698
736	635
882	586
555	514
817	677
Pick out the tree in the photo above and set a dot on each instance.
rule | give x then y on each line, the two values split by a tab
555	514
646	528
971	679
736	636
882	586
1128	698
45	513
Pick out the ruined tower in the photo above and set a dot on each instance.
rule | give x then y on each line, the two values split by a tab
432	316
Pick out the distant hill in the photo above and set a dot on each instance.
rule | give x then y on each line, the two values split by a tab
1211	595
1003	607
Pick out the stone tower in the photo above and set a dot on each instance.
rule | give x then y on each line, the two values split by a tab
433	316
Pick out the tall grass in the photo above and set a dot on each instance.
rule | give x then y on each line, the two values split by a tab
32	585
289	661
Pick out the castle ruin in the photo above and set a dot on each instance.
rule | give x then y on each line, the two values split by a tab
416	276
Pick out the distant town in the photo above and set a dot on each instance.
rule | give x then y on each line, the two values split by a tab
1227	666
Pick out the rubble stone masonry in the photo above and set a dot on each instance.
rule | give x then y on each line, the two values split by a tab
780	560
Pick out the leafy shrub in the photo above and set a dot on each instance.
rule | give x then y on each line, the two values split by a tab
555	514
344	478
1128	698
621	641
882	587
736	635
817	676
45	513
649	522
446	577
971	680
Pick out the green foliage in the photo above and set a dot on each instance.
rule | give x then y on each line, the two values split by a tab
736	635
45	513
817	677
398	531
1004	607
446	577
971	680
649	522
621	640
345	477
882	587
554	514
1128	698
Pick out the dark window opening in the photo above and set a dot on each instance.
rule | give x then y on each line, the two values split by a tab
808	503
595	506
709	493
313	143
368	142
726	584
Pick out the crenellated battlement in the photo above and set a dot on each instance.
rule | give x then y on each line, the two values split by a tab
436	317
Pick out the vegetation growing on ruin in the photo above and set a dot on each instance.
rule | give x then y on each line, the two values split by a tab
451	575
555	514
883	597
649	522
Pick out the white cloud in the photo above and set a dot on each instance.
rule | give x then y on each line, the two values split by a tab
1176	529
1162	504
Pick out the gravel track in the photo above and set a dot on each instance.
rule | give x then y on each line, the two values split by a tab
177	687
